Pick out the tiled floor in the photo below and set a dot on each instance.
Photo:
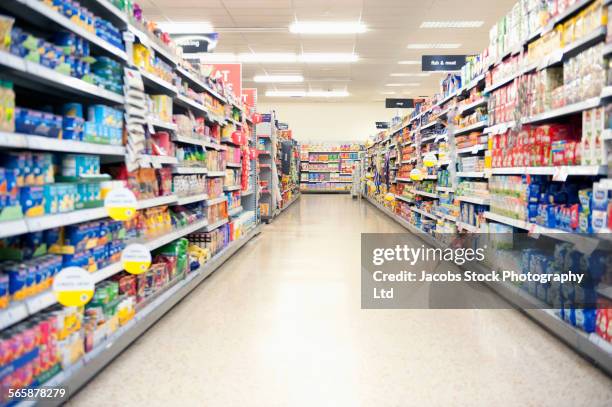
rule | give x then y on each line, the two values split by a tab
280	324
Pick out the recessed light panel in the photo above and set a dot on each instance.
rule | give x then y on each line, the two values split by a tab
434	46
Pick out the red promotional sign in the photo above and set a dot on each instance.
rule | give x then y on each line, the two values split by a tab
249	97
230	74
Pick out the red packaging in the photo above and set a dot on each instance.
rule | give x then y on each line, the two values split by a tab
603	324
570	153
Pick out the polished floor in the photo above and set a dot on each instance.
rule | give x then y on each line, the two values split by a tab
280	324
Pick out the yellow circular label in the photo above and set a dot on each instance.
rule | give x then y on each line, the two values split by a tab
120	204
430	160
73	287
136	259
416	175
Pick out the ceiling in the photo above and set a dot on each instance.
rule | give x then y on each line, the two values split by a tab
261	26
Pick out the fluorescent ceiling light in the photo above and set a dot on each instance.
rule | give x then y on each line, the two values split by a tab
278	78
410	75
310	93
409	62
434	46
452	24
387	93
191	27
323	27
398	85
328	57
280	57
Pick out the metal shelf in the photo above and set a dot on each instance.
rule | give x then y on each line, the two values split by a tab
469	129
157	160
403	198
426	194
149	42
564	111
233	212
231	188
422	212
473	199
233	165
471	174
216	225
199	83
472	150
215	201
189	170
157	84
191	199
472	106
589	345
77	375
558	171
41	15
214	174
467	226
33	75
155	122
18	140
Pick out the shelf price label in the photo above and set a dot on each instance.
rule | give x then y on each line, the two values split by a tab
136	259
560	174
120	204
73	287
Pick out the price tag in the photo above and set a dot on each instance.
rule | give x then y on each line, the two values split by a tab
129	36
560	174
476	149
12	314
488	172
136	259
73	287
533	232
120	204
150	126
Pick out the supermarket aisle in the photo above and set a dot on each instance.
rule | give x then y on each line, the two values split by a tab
280	325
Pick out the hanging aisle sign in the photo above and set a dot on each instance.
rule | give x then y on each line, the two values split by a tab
249	97
382	125
399	103
229	74
433	63
196	43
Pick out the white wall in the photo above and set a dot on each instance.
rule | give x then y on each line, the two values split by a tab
331	121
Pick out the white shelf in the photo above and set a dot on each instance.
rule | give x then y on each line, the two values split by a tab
189	170
422	212
45	76
191	199
473	105
216	225
42	9
18	140
159	201
188	140
214	201
564	111
190	103
446	217
213	146
234	211
151	80
426	194
446	189
231	188
157	160
430	125
472	84
403	198
19	311
467	226
502	82
557	172
214	174
583	243
13	228
472	150
148	42
471	174
469	129
247	193
473	199
233	165
177	234
201	84
155	122
499	128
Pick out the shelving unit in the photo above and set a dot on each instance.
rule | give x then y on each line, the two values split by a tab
328	168
35	83
480	127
